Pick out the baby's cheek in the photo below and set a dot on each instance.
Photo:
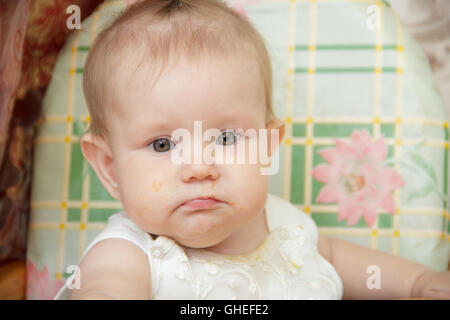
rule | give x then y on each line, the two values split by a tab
249	188
148	203
141	183
250	177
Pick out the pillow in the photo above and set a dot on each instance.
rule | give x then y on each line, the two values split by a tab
365	152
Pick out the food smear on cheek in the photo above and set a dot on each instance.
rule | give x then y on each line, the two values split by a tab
239	207
157	185
213	184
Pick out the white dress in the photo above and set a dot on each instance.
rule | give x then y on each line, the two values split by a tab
286	266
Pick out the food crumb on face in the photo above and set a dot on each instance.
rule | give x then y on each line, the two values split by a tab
157	185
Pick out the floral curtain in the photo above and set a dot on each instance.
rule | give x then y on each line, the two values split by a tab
31	35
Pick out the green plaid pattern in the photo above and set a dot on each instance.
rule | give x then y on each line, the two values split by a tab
332	74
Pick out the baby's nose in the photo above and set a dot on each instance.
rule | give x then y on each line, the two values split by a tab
194	172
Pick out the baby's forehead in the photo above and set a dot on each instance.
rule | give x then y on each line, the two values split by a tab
185	82
163	114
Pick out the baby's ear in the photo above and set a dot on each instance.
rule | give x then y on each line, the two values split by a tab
98	153
275	124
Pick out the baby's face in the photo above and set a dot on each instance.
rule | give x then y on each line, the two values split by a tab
224	94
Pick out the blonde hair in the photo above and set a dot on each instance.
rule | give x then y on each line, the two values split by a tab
166	29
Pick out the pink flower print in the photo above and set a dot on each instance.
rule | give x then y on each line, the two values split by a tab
355	178
39	285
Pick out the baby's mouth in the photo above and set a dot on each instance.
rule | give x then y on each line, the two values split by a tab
201	203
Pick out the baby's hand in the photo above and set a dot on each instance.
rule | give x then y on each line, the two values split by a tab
432	285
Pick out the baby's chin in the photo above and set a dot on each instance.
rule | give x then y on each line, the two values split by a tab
201	242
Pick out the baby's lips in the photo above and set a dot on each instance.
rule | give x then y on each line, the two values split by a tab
202	203
205	202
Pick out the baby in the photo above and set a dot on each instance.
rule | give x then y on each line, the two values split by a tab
205	230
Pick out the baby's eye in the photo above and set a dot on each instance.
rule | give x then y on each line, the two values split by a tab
161	145
228	138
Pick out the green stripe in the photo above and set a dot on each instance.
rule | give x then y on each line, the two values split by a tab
101	215
299	129
83	48
387	4
76	169
346	70
74	215
385	221
97	190
297	174
316	185
338	129
79	70
330	220
388	130
347	47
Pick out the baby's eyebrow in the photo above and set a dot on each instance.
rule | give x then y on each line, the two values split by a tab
157	124
148	128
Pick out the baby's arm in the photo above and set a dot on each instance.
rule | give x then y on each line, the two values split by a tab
113	269
400	278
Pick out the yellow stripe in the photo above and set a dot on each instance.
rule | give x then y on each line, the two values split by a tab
381	232
321	119
310	103
326	231
314	208
376	107
67	156
56	139
289	103
294	140
78	204
389	142
398	127
84	210
404	210
67	225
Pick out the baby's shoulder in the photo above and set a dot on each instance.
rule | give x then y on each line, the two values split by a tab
114	267
120	226
114	264
281	212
